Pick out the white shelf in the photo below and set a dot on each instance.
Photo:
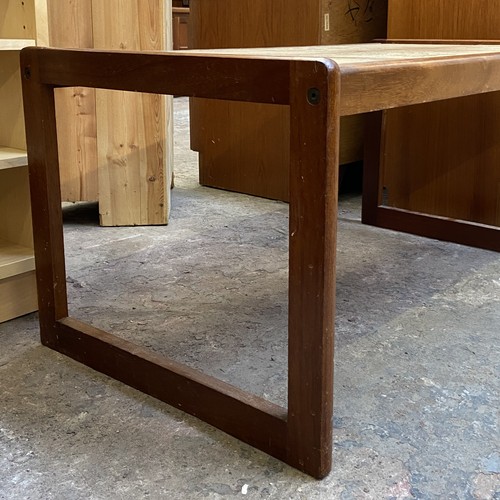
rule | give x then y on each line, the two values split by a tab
15	43
15	259
11	158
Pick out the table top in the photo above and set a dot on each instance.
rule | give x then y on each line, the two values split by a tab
349	55
370	76
378	76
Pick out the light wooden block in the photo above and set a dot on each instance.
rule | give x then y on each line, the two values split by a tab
17	296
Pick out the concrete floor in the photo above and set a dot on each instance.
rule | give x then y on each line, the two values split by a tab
416	370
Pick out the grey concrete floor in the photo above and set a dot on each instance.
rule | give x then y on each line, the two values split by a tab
417	362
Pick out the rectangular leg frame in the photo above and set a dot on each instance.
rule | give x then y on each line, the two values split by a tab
432	226
302	434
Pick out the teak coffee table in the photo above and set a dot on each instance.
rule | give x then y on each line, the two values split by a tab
319	84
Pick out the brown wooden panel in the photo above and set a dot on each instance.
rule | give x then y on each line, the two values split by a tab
468	19
443	158
250	418
246	148
313	231
180	27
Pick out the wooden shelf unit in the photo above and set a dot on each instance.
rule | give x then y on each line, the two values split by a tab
17	263
18	29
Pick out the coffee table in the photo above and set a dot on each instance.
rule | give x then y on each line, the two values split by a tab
320	84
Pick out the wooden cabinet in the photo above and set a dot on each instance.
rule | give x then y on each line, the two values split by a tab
244	147
18	29
180	27
443	158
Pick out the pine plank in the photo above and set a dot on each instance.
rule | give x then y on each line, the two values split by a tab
11	158
70	26
15	43
134	145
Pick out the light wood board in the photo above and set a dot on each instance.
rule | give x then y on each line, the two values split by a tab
15	43
15	211
134	135
70	26
15	259
11	105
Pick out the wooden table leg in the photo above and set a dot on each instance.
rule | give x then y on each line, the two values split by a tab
45	190
313	230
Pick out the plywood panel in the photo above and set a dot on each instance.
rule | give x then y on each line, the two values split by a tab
11	107
132	129
17	296
443	158
15	212
70	26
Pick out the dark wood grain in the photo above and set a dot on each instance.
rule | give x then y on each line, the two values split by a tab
258	80
41	134
252	419
302	436
315	130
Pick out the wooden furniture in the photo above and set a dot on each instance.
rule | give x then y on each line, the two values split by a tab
244	146
180	27
127	170
318	84
115	147
22	23
443	158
